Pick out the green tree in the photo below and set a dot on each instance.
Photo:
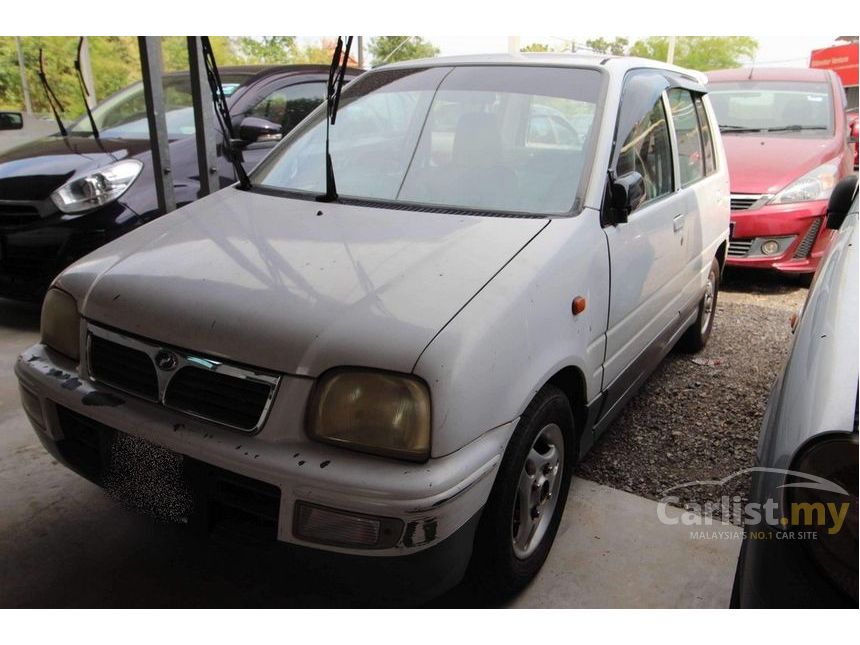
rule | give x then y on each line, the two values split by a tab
703	53
536	47
616	47
266	50
174	52
388	49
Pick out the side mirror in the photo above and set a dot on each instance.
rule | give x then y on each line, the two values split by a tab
840	201
11	121
627	193
254	129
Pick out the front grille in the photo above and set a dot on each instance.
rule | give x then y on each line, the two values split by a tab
743	202
85	445
231	395
739	248
236	402
805	246
122	367
15	215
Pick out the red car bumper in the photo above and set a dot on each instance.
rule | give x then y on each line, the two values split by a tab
799	230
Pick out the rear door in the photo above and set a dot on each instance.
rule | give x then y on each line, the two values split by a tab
646	253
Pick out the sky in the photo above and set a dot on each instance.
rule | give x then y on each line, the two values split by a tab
776	50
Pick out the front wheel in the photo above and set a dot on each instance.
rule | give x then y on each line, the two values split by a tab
521	518
696	337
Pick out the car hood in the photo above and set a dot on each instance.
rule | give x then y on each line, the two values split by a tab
35	169
294	285
767	164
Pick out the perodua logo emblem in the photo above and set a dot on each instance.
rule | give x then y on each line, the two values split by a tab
166	360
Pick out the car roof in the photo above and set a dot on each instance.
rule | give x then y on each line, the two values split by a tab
256	72
769	74
617	64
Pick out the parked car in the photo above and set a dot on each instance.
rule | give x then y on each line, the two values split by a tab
403	378
787	144
46	220
854	133
810	427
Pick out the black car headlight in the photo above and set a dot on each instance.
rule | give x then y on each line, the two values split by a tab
372	411
97	188
831	513
61	323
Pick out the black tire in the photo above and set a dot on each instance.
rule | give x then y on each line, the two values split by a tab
495	568
696	337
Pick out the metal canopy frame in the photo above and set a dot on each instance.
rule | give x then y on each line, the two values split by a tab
151	65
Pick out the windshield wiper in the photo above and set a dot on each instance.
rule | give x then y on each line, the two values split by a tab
85	91
336	74
795	128
53	101
738	128
222	112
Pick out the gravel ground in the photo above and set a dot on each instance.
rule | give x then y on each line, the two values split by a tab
698	416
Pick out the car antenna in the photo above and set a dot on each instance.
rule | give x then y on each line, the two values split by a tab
222	113
53	101
85	91
336	74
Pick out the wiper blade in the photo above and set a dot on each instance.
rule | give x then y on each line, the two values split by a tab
336	74
222	113
85	91
738	128
53	101
795	128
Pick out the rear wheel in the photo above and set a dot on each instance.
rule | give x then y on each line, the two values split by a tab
696	337
521	517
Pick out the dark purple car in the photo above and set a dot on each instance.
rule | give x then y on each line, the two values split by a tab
62	197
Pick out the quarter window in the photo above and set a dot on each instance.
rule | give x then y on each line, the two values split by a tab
707	141
691	162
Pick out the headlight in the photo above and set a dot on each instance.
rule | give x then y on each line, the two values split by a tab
377	412
814	185
97	188
832	514
61	323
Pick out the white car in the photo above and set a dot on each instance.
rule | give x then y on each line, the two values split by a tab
403	378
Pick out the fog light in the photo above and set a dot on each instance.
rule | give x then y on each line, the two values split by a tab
770	247
340	528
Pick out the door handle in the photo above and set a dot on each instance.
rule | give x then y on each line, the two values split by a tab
678	222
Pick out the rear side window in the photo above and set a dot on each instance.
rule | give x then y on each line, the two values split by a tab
707	141
287	106
691	157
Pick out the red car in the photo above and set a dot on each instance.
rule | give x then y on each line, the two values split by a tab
853	127
786	137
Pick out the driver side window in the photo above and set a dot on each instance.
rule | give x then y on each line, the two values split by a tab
287	106
647	150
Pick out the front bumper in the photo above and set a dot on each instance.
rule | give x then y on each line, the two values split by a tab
437	501
33	254
800	229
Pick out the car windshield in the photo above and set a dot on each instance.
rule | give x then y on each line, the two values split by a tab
123	115
488	138
798	108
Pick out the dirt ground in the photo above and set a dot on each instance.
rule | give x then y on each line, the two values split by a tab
698	416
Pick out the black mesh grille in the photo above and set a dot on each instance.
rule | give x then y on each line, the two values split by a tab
743	202
125	368
805	246
85	444
235	401
14	215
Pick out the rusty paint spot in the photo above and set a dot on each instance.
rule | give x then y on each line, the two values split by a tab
325	463
177	426
295	455
116	297
71	384
301	463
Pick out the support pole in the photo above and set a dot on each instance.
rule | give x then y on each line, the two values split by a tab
153	92
204	119
670	58
87	73
361	52
25	87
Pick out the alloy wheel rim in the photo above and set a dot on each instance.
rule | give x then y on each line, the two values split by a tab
537	490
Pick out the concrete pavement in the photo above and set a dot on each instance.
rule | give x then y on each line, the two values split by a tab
65	543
